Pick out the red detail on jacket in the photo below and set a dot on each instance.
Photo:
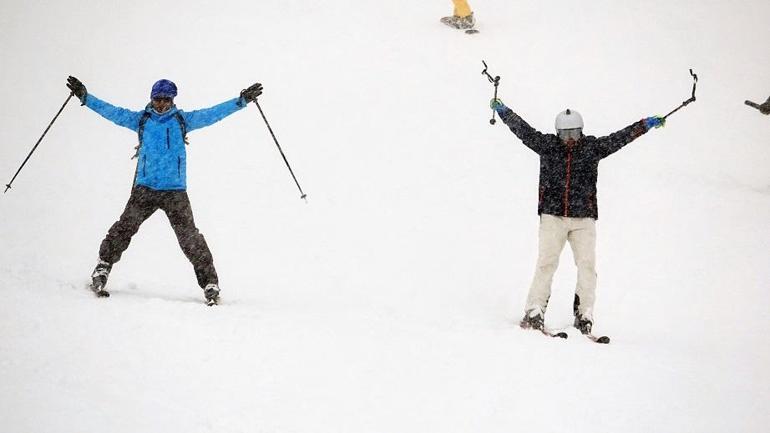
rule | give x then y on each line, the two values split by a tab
566	186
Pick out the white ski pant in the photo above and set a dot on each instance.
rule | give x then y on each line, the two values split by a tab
554	232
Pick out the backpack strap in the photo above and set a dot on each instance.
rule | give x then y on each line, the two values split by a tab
140	131
183	126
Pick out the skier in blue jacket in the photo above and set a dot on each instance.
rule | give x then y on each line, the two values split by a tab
160	181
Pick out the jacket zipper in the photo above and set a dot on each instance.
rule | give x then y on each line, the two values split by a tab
179	165
566	186
168	139
144	166
540	198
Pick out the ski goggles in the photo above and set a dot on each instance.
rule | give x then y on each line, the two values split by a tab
567	134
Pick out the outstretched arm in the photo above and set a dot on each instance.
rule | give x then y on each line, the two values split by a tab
615	141
208	116
528	135
119	116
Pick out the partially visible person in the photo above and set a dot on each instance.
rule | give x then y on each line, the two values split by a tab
462	18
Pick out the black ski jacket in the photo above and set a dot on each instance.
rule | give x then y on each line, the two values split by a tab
568	174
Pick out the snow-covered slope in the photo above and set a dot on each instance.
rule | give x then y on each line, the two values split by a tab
388	302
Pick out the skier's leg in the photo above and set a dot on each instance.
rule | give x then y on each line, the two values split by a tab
582	239
141	204
461	8
176	204
551	238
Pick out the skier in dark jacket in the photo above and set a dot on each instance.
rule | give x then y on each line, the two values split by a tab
567	204
160	180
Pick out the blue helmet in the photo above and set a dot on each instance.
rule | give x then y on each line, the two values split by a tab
163	89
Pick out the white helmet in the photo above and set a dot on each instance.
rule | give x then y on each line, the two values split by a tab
569	119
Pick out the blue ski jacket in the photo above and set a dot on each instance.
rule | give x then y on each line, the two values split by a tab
162	158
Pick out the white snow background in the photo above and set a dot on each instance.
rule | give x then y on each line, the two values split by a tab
390	301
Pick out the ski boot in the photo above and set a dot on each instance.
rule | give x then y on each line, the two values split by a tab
583	321
583	324
463	23
99	278
211	292
533	319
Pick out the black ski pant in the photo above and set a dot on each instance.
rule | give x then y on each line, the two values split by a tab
143	203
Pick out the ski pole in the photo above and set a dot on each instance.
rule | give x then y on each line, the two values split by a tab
763	108
8	185
692	97
751	104
496	82
303	196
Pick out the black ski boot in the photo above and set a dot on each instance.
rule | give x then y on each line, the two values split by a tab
211	292
583	324
99	278
533	319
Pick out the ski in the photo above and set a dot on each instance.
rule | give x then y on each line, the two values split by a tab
560	334
471	32
544	331
585	328
601	340
752	104
212	302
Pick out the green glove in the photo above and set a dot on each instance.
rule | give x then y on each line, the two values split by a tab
496	104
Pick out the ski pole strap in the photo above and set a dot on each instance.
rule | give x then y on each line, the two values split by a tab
496	82
692	96
694	84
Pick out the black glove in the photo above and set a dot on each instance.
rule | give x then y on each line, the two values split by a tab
764	107
251	93
78	89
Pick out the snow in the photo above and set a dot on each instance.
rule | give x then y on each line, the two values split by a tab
388	302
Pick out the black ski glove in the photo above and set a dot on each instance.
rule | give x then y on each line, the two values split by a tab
251	93
764	107
78	89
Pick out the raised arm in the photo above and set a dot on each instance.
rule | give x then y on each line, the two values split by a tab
612	143
120	116
531	137
117	115
208	116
